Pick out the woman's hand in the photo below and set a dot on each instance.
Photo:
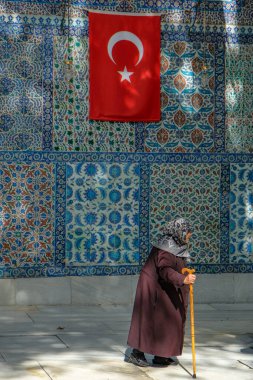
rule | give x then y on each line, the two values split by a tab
190	279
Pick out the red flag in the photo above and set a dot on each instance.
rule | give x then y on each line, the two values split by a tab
124	67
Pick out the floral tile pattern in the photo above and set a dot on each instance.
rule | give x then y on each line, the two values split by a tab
102	214
211	5
67	213
192	192
80	197
27	214
239	100
187	95
21	98
73	131
241	213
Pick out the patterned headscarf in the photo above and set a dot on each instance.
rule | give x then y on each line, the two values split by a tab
173	239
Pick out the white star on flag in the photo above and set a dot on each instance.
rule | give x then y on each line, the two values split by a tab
125	75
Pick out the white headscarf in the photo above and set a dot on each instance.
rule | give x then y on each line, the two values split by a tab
173	239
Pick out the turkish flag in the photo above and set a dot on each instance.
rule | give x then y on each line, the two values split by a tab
124	67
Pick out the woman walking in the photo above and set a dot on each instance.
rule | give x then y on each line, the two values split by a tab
161	299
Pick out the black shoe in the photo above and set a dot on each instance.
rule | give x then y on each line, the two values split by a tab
138	359
160	361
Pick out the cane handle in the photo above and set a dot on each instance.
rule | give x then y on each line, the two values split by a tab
188	270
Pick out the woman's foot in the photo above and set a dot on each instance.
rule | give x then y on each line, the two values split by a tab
161	361
138	358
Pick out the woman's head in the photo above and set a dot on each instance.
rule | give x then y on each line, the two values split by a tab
180	230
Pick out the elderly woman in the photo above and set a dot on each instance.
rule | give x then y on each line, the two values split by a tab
161	300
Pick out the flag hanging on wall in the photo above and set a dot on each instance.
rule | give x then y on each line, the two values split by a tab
124	57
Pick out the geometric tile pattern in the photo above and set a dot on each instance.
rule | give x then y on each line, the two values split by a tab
187	95
21	92
239	100
193	192
26	214
102	214
241	213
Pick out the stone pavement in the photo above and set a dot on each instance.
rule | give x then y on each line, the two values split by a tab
88	343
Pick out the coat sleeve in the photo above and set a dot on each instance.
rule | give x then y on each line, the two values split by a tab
166	265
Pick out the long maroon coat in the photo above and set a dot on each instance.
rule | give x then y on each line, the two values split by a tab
160	306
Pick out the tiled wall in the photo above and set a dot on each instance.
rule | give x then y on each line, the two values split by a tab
81	197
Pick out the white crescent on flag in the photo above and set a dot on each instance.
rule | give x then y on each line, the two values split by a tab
125	36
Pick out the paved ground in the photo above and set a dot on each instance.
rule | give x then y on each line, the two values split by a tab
88	343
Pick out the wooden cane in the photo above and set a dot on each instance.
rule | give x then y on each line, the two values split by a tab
191	271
